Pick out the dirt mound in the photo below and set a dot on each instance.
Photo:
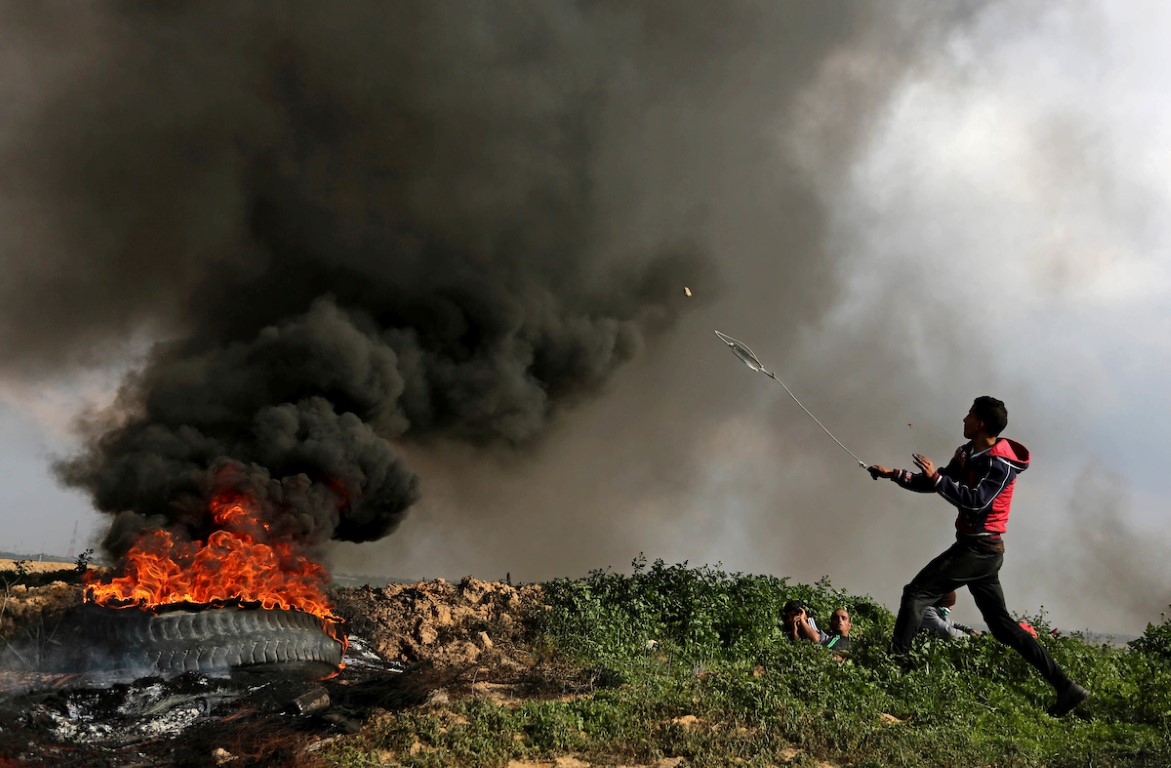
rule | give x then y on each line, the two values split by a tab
25	610
445	624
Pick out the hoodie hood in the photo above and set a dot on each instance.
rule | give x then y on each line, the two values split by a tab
1012	452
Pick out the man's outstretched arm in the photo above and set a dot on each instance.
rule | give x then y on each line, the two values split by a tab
926	480
904	478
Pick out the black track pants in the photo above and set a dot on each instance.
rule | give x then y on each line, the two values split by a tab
979	571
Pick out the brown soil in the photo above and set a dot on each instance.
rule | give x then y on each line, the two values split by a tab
472	638
23	609
447	625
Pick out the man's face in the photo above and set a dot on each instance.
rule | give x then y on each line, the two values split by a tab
840	622
973	426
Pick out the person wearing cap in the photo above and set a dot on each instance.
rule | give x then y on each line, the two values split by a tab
937	619
798	624
979	482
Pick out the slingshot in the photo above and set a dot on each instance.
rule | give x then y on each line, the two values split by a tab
749	358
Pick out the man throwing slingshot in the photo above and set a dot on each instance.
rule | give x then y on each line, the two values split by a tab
979	482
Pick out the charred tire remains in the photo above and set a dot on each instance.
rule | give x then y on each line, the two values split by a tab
208	641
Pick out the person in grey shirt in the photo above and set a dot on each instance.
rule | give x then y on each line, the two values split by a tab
937	621
799	625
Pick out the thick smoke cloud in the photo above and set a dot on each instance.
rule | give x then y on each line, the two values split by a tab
354	226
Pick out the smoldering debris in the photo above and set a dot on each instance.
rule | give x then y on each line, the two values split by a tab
83	720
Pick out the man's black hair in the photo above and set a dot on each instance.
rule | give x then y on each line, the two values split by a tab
794	605
992	412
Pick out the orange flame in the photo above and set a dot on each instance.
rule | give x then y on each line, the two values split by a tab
239	563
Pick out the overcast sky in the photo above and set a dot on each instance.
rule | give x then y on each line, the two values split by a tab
899	208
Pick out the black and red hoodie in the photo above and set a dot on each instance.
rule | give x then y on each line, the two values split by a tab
979	485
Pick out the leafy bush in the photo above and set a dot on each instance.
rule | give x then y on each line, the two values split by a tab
1156	640
700	614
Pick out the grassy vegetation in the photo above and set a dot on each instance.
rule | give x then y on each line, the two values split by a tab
689	662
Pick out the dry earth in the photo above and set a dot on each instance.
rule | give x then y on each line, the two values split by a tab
22	608
443	624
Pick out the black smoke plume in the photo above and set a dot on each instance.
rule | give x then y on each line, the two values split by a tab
360	226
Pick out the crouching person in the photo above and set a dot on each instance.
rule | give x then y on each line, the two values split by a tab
838	641
799	625
937	620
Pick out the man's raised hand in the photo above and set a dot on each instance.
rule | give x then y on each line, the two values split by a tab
926	465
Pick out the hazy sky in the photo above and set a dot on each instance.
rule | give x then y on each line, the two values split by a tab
899	207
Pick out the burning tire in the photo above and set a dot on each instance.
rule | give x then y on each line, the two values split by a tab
212	640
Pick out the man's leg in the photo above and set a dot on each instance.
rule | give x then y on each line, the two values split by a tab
989	597
935	580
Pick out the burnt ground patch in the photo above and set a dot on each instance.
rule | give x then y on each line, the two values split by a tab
246	718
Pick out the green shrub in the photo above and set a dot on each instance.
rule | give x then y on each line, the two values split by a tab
1156	640
700	614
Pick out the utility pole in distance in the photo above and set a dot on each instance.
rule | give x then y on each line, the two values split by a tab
72	541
